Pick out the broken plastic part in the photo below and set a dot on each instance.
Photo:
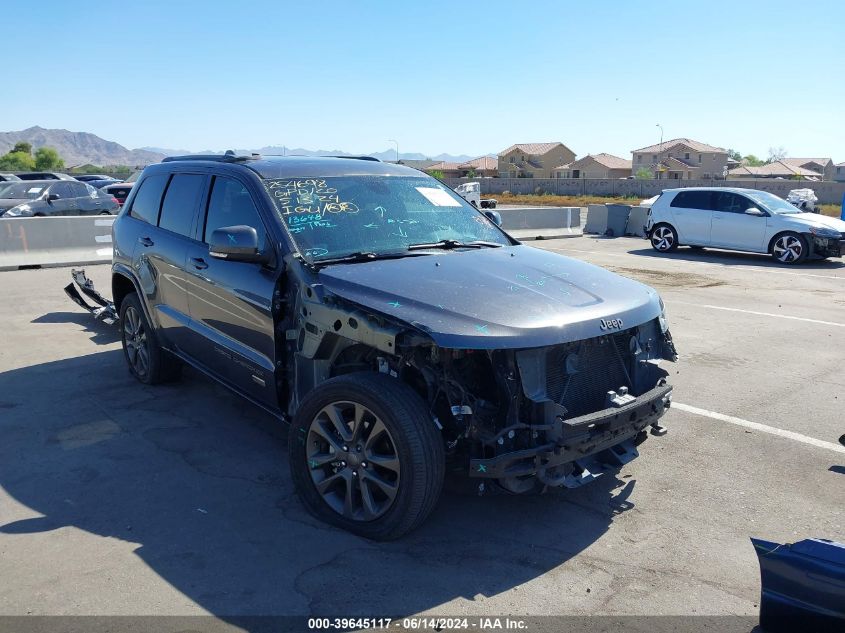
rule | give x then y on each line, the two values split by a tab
105	313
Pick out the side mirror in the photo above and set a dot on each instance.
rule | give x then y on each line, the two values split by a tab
754	211
52	196
494	216
236	243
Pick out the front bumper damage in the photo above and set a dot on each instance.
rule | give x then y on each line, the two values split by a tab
587	446
103	311
826	246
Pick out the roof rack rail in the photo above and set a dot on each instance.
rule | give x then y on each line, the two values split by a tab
228	157
373	158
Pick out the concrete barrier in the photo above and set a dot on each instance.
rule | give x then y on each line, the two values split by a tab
538	223
64	241
636	221
617	219
596	219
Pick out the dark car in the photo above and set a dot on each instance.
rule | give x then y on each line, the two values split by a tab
37	198
97	180
5	177
43	175
394	325
118	190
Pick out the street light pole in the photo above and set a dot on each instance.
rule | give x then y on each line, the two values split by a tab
390	140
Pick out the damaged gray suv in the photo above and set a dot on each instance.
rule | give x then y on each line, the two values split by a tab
396	327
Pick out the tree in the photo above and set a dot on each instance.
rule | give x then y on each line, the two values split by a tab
22	146
17	161
643	174
471	173
752	161
732	153
436	173
776	153
48	158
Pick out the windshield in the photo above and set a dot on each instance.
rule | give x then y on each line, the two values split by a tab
333	217
21	191
772	203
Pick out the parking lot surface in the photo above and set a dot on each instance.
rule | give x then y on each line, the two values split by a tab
122	499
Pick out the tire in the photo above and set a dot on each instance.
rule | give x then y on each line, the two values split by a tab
146	359
664	238
789	248
105	212
406	434
493	204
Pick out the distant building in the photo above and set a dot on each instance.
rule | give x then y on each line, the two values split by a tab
839	172
449	170
422	165
595	166
482	167
823	166
776	169
681	159
533	160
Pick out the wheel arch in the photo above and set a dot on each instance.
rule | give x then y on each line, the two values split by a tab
780	234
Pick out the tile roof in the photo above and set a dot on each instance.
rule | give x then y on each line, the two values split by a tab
444	166
532	148
607	160
490	163
666	145
777	168
800	162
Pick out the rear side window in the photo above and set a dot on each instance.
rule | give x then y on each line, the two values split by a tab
693	200
148	200
180	203
78	189
231	205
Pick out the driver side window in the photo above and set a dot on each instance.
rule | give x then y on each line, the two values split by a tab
230	204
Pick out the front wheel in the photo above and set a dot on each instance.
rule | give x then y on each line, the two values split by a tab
366	456
664	239
789	248
147	360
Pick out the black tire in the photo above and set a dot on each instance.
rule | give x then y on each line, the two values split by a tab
493	204
789	248
140	342
663	238
411	435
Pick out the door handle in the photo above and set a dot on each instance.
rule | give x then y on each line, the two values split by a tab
146	241
199	263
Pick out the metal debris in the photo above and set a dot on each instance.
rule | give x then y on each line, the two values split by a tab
103	311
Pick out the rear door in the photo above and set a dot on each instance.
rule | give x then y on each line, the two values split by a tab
66	203
82	198
732	227
692	212
231	302
163	245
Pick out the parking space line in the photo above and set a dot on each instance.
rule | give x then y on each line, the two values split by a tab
763	428
722	266
768	314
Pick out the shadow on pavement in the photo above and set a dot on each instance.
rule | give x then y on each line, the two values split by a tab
103	334
198	479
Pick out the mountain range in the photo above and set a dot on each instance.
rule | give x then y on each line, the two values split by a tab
80	148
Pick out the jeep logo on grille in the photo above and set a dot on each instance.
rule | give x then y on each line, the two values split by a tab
611	324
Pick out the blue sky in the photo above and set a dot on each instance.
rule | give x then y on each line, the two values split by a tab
436	76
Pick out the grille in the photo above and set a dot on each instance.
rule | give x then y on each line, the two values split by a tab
600	366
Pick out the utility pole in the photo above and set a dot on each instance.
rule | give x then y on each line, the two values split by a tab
390	140
661	142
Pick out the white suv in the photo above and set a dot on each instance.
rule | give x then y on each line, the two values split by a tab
742	220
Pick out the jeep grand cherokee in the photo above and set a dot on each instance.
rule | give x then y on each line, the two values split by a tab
396	327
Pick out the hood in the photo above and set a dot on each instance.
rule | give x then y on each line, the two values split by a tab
508	297
817	219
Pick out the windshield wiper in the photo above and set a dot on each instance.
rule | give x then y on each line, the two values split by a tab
357	257
449	244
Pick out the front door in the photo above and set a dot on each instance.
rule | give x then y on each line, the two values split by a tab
231	302
732	227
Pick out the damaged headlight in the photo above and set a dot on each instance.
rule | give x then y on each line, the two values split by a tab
664	323
22	210
823	231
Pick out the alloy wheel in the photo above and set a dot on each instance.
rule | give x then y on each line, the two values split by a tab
662	238
353	461
788	249
135	340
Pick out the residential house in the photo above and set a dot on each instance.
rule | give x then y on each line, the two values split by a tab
681	159
839	172
422	165
776	169
449	170
533	160
823	166
482	167
595	166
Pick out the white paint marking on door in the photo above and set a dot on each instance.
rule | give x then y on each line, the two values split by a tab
763	428
768	314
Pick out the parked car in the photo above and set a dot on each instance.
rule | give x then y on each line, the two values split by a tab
743	220
119	190
393	324
5	177
90	177
37	198
43	175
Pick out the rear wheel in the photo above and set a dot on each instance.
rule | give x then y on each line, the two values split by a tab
147	360
664	239
365	456
789	248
